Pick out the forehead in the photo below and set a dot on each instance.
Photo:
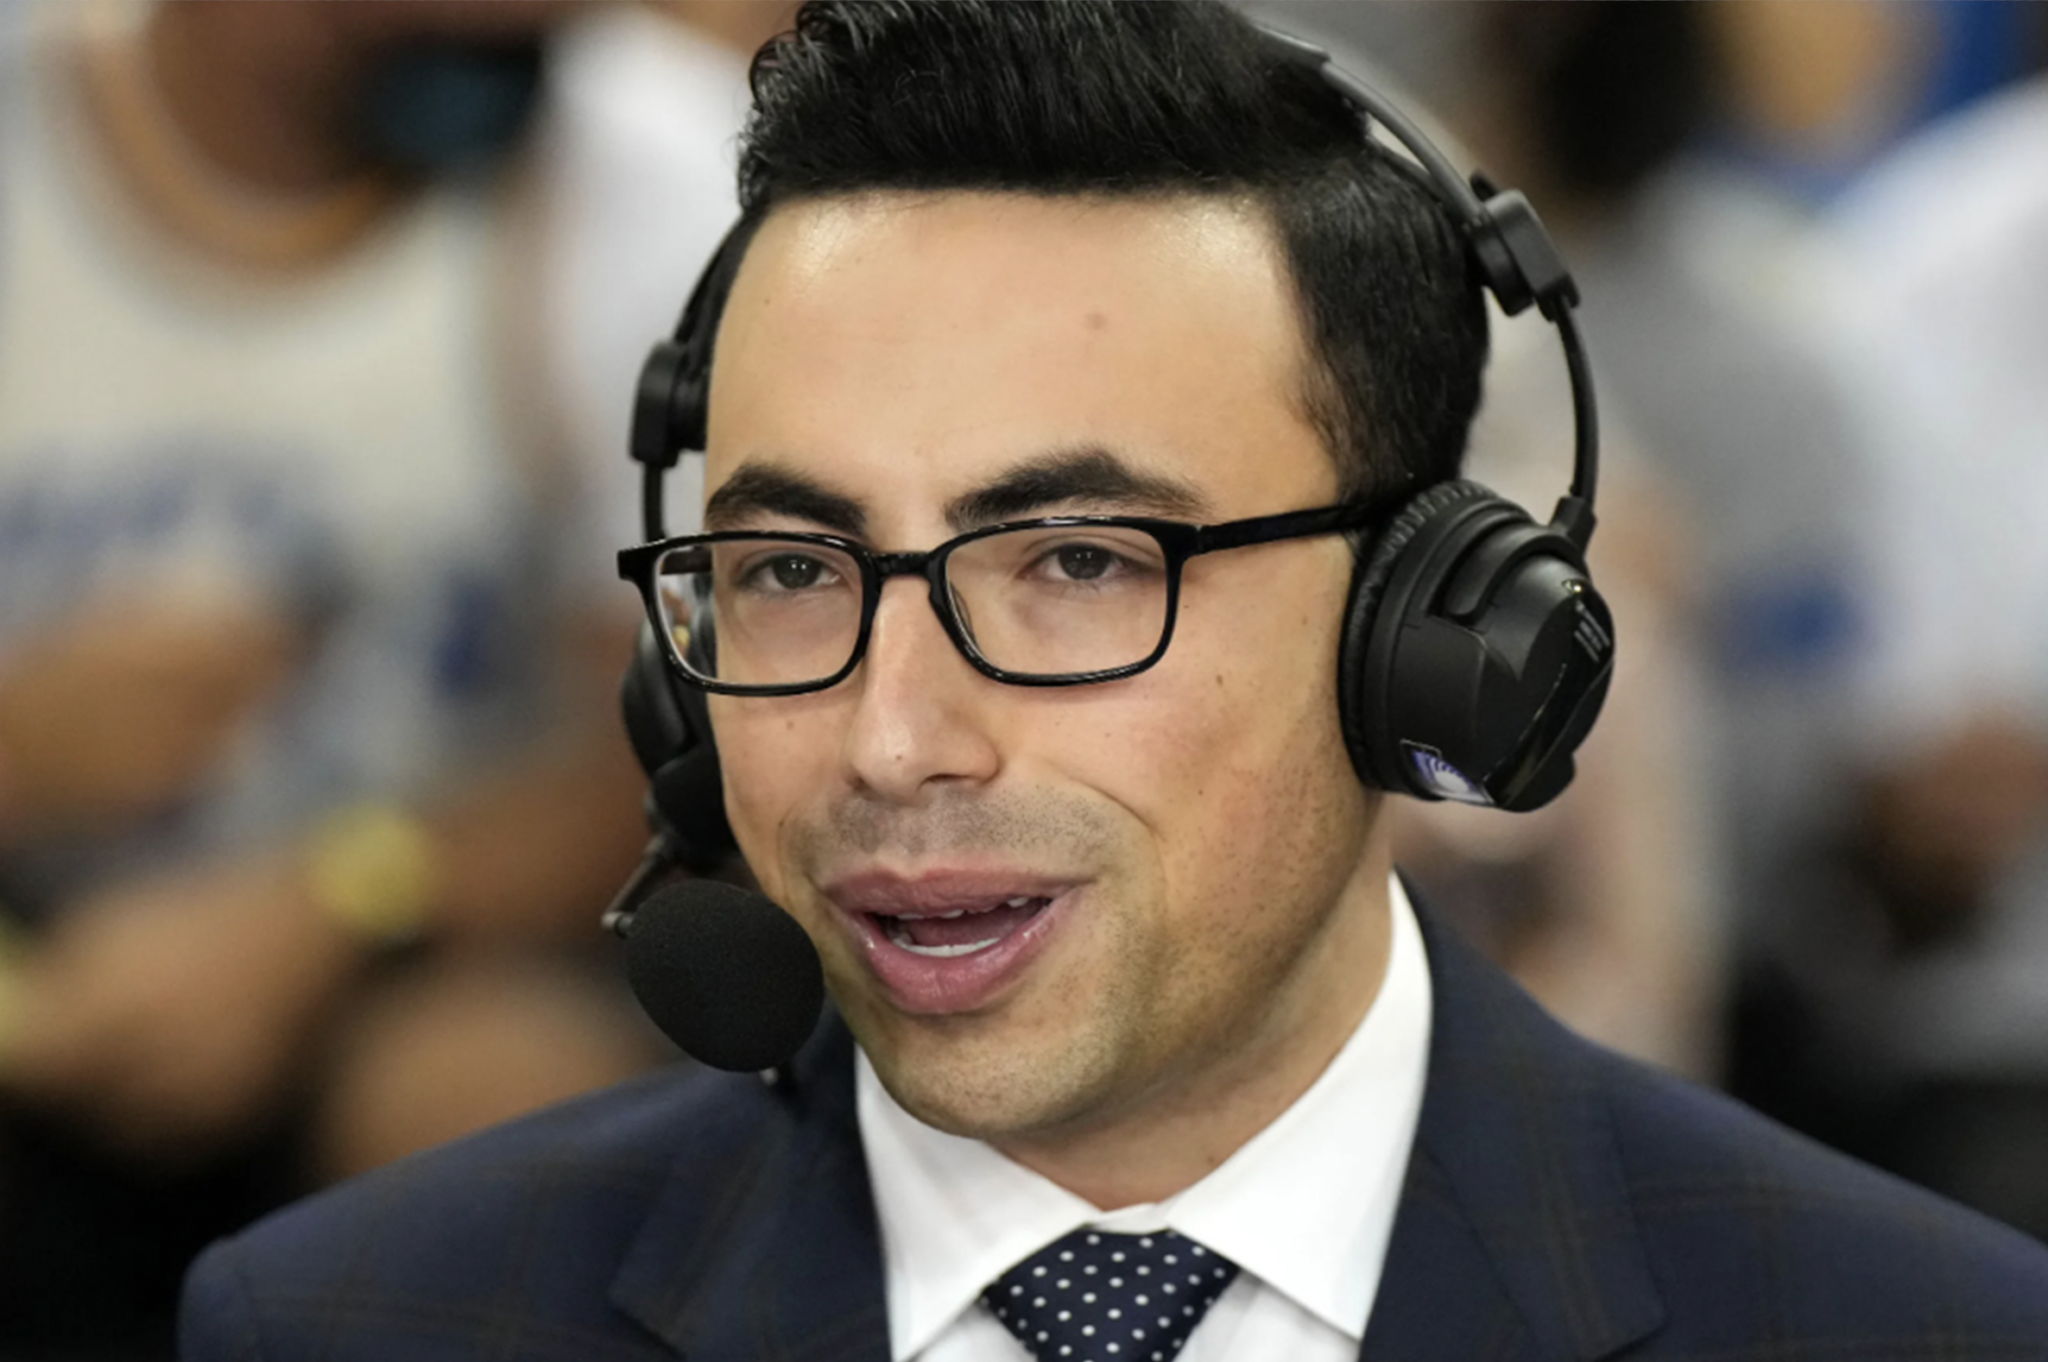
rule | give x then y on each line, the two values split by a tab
914	346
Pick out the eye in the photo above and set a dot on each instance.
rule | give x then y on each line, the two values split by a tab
1060	562
787	572
1098	563
1083	562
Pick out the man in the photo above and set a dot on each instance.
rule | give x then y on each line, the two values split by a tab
1144	1024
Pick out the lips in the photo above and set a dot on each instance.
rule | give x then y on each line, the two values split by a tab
951	941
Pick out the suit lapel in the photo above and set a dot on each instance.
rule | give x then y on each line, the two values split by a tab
1514	1237
763	1245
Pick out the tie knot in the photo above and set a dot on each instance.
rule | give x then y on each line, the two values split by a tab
1095	1296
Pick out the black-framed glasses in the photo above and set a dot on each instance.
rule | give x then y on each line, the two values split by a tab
1058	601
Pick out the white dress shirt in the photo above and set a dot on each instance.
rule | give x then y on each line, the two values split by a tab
1305	1207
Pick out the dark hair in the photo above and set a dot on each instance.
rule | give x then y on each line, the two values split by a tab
1101	97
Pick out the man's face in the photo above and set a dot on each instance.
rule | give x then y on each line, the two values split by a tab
1174	869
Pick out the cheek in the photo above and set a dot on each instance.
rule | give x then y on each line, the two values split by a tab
1244	760
1225	767
773	756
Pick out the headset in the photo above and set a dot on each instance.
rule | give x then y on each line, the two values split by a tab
1475	650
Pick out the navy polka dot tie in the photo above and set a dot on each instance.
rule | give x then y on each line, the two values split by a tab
1093	1296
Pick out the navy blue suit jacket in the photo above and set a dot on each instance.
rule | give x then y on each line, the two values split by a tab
1561	1203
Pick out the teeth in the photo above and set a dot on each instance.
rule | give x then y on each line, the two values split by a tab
900	935
1021	901
967	948
898	930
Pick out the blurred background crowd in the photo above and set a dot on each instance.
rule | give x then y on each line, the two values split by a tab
319	325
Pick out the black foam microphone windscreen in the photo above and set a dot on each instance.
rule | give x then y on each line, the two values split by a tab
725	974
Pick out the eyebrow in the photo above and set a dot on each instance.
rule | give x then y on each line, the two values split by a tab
1092	476
763	489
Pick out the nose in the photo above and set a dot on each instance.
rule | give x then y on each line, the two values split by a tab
920	719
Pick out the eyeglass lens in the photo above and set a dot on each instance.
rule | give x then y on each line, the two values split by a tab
1040	601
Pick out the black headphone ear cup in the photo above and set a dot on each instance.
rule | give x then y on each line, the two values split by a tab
1385	549
669	724
656	723
1477	653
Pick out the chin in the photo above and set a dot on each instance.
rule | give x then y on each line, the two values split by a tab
983	1087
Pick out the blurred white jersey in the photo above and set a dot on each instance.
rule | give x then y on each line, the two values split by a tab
328	442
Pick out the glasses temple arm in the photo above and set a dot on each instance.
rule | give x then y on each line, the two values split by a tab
1265	529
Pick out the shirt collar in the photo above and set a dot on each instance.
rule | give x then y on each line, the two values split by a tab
1306	1206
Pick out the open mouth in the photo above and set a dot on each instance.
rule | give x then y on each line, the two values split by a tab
963	930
